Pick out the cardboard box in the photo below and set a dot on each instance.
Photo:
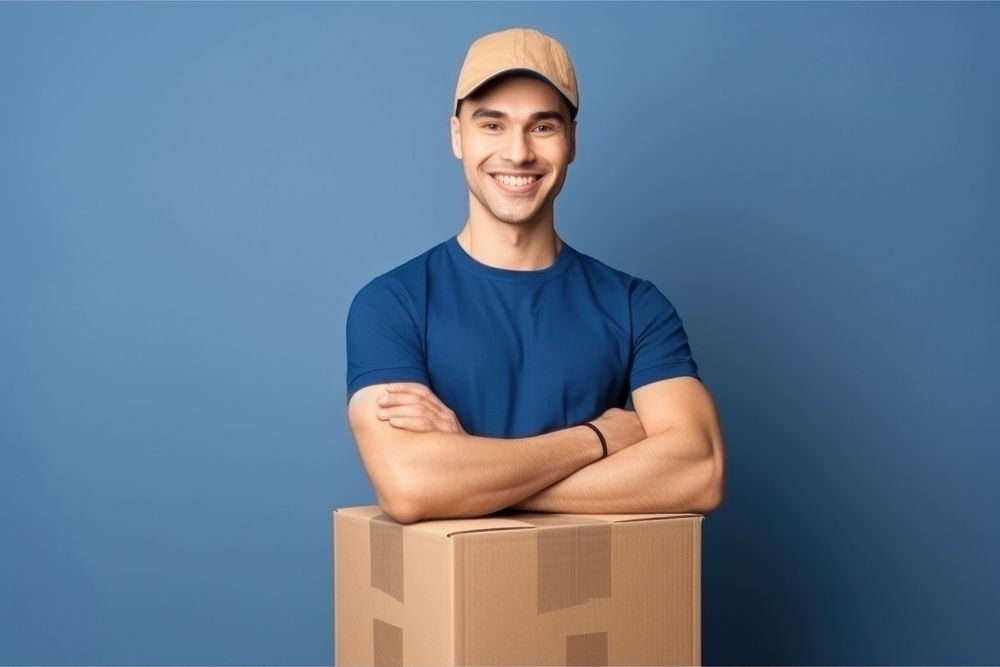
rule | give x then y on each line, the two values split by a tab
517	588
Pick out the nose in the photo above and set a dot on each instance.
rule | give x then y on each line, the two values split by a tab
517	149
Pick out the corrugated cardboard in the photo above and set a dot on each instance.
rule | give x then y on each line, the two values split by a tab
517	588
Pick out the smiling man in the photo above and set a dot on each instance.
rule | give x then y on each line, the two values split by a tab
492	370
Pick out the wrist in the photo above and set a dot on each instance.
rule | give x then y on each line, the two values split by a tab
600	436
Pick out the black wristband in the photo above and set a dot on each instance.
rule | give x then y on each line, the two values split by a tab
604	445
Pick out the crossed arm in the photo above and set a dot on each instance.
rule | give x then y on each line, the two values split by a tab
679	466
667	456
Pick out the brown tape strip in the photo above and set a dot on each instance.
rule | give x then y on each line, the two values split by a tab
574	565
594	555
588	649
386	548
387	644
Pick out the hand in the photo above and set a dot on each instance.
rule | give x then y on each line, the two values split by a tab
620	428
414	407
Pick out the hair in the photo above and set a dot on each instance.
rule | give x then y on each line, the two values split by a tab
485	89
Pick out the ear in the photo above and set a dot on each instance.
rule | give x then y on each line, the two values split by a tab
456	138
572	142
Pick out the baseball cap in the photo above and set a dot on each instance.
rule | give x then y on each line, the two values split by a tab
521	50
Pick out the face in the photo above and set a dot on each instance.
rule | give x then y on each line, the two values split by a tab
518	126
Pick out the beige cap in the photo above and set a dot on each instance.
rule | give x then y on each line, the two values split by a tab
518	49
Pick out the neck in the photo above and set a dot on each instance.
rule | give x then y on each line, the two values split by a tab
511	247
531	245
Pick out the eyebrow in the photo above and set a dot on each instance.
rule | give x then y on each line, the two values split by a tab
483	112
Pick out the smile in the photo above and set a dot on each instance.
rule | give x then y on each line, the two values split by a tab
517	185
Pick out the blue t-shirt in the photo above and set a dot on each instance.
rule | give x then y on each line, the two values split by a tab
515	353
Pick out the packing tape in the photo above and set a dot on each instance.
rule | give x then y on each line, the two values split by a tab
574	564
587	649
386	560
387	640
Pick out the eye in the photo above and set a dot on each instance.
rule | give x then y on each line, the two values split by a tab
490	125
546	126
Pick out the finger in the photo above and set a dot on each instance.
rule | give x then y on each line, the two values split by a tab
429	420
438	404
400	389
406	399
410	423
402	411
434	407
414	387
399	398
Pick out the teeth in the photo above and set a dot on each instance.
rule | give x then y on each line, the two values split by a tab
515	181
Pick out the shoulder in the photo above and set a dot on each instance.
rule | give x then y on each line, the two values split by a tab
600	271
645	294
638	289
643	306
404	284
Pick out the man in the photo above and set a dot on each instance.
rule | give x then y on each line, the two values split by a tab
491	371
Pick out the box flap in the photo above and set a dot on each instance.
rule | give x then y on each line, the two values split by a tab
619	518
363	512
510	520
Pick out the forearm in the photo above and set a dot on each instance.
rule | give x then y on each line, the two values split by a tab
661	473
424	465
458	475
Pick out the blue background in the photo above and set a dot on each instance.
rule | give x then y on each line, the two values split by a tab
191	194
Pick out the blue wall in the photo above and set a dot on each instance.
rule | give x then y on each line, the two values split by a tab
191	194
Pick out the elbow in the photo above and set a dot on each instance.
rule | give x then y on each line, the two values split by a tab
401	499
401	512
713	491
402	507
394	478
711	499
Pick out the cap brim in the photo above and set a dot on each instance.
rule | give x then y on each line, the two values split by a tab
519	71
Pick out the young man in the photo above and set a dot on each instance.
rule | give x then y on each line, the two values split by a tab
491	370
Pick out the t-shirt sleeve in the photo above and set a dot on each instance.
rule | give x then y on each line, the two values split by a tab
660	347
383	340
